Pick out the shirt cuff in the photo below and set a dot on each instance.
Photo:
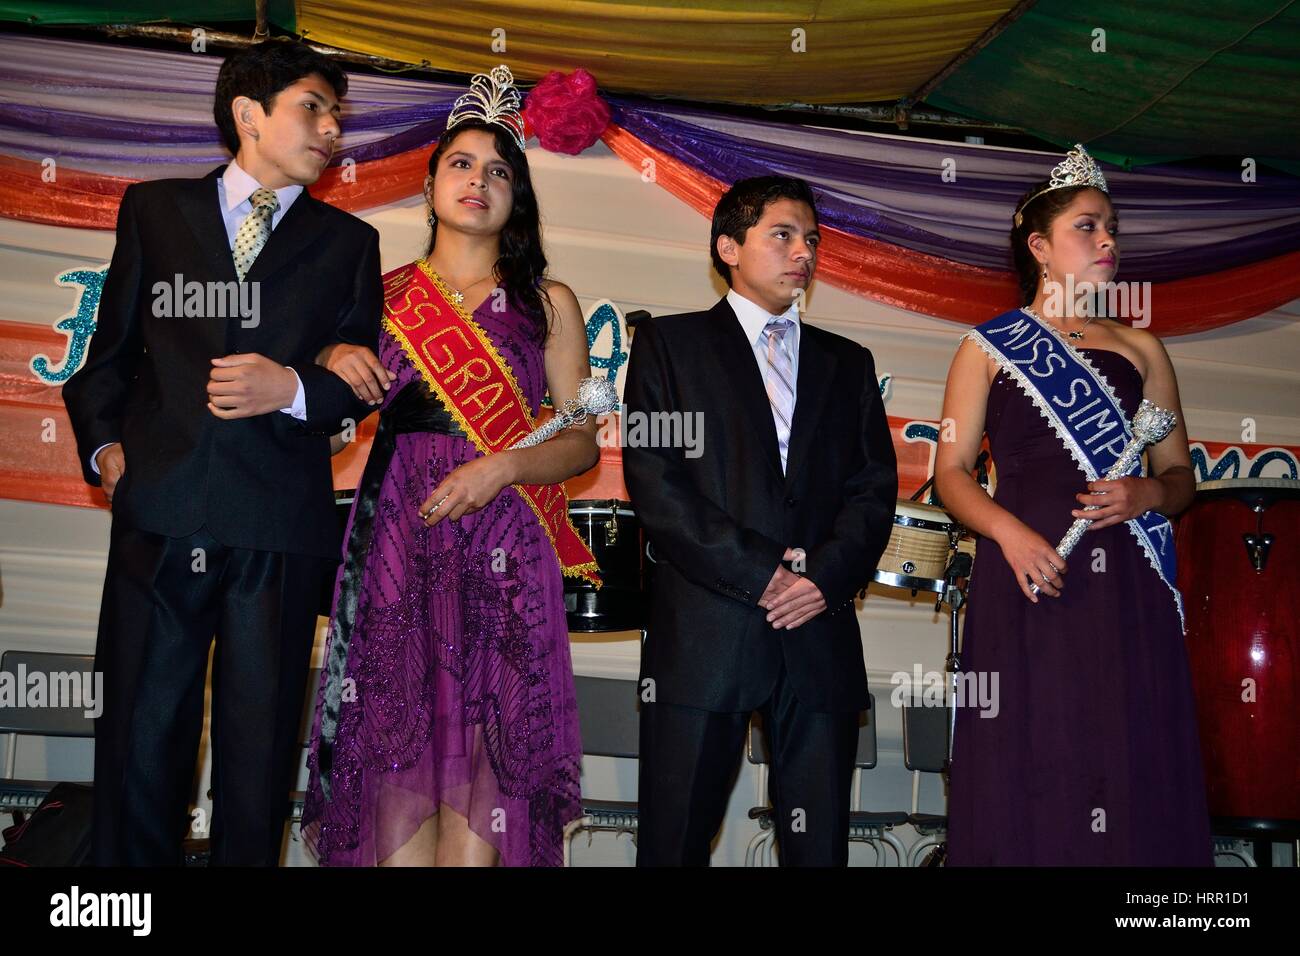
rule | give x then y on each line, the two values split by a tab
94	465
299	407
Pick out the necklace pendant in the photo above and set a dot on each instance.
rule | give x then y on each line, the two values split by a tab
458	297
1075	335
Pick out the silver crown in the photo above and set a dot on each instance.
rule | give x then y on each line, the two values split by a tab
1077	169
493	98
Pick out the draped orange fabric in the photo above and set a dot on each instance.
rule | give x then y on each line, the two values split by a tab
72	198
86	200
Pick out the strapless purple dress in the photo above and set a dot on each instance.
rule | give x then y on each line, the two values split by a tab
1093	757
464	691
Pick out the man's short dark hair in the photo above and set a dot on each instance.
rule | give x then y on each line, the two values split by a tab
263	70
742	207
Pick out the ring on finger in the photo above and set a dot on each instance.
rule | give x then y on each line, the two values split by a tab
429	513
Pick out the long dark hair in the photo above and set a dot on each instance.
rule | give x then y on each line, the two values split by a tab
1036	217
521	265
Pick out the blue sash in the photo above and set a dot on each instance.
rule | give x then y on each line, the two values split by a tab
1083	411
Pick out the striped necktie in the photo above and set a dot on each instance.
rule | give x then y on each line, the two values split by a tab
254	230
780	381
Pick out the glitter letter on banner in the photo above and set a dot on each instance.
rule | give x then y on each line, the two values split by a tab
79	326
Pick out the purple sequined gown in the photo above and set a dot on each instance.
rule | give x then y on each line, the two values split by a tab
460	657
1096	708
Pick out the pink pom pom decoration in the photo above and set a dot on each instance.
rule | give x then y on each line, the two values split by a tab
565	112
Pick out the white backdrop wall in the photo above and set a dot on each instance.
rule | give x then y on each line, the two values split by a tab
611	235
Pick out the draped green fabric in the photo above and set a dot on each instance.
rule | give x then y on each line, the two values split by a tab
95	12
1192	78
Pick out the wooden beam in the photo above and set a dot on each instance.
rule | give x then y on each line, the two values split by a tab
988	36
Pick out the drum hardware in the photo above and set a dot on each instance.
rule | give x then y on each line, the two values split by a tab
1259	543
982	470
954	595
1257	547
981	476
934	495
1256	494
611	529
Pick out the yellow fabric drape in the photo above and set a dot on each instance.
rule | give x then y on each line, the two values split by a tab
738	51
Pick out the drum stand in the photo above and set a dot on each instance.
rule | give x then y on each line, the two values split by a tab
954	595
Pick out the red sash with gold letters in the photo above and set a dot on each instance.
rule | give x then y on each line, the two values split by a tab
474	382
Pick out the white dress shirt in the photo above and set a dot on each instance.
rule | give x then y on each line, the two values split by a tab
234	193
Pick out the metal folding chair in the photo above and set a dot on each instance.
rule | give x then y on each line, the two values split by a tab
609	719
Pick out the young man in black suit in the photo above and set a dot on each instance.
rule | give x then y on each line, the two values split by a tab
762	536
208	426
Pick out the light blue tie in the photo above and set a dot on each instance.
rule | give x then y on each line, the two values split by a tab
780	381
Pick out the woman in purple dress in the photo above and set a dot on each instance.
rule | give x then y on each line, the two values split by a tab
1091	756
447	731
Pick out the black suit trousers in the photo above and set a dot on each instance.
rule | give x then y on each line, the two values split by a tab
165	598
688	765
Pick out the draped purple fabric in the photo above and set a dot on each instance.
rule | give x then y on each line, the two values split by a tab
107	109
955	200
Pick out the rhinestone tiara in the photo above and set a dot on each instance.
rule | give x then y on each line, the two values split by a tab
1077	169
492	97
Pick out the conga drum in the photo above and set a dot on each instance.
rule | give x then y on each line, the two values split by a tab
1238	554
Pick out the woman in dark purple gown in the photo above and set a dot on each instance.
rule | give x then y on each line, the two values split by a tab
1092	756
459	744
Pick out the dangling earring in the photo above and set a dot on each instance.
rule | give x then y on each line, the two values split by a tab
1044	272
433	220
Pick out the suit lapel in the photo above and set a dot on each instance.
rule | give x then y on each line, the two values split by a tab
746	389
200	207
198	202
301	226
816	371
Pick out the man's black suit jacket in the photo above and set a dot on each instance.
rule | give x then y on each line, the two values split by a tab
719	523
263	482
